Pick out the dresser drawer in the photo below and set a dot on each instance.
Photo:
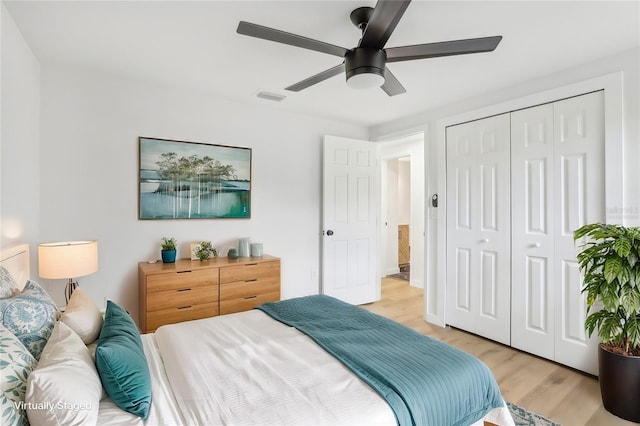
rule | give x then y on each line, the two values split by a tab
244	289
159	300
186	313
182	280
244	295
249	271
239	305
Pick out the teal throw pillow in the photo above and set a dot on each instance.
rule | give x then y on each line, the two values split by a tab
122	364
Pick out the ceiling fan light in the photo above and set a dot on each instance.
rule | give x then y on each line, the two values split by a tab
366	80
365	68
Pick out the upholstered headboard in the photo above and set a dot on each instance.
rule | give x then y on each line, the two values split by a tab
16	261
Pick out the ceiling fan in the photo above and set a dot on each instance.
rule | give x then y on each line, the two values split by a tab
365	65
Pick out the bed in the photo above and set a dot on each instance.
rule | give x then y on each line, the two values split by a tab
289	362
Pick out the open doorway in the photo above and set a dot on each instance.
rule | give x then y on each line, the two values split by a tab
402	209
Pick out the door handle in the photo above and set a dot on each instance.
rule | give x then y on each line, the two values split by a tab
484	240
534	245
329	232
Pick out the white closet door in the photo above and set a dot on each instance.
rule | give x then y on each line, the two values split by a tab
579	199
532	180
478	227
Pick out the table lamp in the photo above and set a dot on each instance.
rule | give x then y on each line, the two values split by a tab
67	260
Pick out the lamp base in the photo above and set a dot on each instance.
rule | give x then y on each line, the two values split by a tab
71	285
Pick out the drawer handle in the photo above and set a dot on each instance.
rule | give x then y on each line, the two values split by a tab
250	297
250	264
250	281
184	307
184	272
184	289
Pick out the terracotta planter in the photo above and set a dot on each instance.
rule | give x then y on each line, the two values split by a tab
620	384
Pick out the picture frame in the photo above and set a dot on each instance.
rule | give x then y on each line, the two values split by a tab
193	247
192	180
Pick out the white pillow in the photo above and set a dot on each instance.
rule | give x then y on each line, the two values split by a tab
65	387
83	316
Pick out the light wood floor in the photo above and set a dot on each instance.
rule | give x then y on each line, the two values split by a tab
559	393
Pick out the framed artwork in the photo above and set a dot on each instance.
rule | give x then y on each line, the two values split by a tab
194	246
189	180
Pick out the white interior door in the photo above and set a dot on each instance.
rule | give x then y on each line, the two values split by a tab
350	210
478	227
579	199
532	248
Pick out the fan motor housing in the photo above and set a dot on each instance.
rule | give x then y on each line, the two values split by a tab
364	60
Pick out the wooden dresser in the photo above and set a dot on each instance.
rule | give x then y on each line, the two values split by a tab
188	290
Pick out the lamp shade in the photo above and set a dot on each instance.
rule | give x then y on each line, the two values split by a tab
67	259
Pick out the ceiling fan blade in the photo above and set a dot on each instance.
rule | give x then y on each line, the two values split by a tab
324	75
391	84
444	48
266	33
386	16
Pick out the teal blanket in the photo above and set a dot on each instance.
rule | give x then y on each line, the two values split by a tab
424	381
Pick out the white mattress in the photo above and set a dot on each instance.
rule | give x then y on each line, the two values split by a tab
248	369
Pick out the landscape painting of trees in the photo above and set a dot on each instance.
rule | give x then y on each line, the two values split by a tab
188	180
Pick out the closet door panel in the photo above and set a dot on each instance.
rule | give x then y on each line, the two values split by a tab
579	199
532	249
462	267
478	227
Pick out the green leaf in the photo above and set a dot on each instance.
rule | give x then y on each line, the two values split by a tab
612	267
634	279
611	330
622	246
632	327
609	296
630	300
585	230
593	321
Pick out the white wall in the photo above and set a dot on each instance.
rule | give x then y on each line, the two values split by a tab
90	125
19	157
403	191
389	240
396	210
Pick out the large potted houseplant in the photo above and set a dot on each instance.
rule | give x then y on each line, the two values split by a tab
610	262
168	251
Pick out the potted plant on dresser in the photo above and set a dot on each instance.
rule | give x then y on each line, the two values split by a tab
610	263
205	250
168	251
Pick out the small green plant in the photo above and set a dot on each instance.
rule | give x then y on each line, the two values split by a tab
610	262
168	243
205	250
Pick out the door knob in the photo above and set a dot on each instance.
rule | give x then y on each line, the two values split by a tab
535	245
484	240
329	232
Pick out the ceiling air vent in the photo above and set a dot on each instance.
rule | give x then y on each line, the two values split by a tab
270	96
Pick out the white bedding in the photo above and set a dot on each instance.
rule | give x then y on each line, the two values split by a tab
248	369
164	410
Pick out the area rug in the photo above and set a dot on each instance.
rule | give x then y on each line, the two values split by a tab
523	417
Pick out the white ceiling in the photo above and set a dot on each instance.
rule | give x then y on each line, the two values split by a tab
194	45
